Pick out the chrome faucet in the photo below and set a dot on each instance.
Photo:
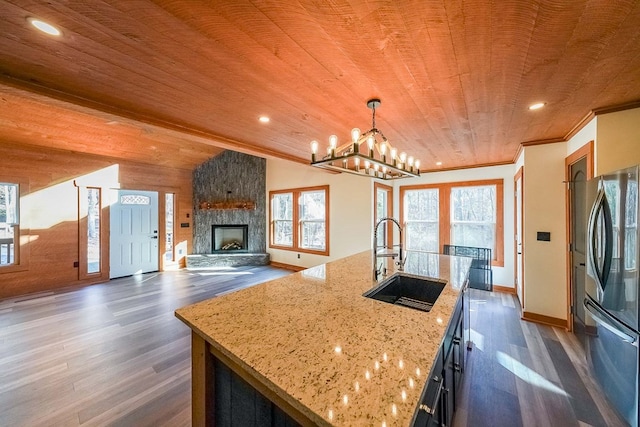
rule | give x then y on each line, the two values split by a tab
400	263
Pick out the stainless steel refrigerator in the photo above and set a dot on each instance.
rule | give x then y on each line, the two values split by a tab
611	300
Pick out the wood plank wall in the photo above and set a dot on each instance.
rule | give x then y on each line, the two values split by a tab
49	217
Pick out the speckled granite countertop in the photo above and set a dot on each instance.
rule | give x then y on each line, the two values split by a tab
340	358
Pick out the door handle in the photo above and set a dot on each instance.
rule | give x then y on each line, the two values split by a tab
604	319
154	237
432	409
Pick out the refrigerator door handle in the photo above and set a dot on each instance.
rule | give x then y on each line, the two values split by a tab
601	273
605	320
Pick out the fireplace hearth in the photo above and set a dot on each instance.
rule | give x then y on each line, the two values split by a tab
229	238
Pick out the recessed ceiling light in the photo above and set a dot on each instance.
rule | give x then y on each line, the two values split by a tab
45	27
438	163
537	106
264	119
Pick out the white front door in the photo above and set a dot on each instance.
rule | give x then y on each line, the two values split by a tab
134	233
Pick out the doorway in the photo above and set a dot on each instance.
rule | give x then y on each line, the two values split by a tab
579	169
383	207
518	207
133	233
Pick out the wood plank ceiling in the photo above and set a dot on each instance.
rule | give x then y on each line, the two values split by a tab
184	79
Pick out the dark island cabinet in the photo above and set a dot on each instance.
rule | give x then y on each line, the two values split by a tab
438	401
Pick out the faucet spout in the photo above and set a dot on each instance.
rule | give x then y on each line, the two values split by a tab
400	262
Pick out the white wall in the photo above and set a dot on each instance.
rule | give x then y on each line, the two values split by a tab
584	136
617	141
350	210
502	276
545	278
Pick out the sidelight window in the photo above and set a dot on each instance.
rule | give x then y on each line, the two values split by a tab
169	201
93	230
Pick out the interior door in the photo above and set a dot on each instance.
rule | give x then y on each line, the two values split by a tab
518	205
133	233
578	240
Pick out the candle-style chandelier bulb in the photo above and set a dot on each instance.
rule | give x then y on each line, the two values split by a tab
403	157
410	161
314	147
383	148
417	164
333	141
355	135
394	153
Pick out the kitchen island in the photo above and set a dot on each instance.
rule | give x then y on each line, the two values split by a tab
316	349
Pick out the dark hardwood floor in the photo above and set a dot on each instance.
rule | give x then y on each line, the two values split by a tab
114	354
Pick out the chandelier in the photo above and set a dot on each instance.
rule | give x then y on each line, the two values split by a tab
351	158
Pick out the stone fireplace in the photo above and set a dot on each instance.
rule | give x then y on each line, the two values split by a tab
229	238
219	222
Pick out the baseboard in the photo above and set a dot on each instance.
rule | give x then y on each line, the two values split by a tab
504	289
287	266
546	320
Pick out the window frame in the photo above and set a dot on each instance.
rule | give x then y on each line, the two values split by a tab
297	222
444	213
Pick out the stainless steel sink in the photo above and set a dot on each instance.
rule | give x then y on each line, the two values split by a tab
408	291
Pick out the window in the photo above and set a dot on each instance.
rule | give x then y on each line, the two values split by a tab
473	216
9	223
421	219
134	199
93	230
282	219
168	226
461	213
300	219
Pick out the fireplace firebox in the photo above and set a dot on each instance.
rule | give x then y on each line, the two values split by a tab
229	238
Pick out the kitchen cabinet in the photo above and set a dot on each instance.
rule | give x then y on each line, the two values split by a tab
438	402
